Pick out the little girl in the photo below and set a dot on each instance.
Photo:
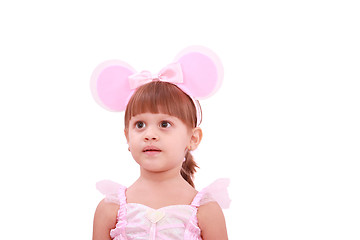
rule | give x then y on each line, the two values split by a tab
162	118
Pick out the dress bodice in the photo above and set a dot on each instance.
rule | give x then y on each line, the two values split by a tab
174	222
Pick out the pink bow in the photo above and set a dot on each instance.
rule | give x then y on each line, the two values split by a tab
171	73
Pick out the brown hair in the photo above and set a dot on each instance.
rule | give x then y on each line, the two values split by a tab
163	97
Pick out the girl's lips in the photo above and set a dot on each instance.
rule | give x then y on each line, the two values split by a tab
151	149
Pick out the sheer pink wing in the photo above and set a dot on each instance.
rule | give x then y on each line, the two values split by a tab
111	190
217	191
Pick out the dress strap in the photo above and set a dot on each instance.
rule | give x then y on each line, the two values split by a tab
196	201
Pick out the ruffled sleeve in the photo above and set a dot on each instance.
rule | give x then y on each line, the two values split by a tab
113	191
217	191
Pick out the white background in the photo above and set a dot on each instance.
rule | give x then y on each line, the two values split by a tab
284	126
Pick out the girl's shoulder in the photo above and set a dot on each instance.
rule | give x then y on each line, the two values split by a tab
211	221
107	210
210	217
104	219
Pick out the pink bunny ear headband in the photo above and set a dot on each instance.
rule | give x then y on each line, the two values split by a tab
196	70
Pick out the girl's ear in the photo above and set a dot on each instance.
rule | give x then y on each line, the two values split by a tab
195	138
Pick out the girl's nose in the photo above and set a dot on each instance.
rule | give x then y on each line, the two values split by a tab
151	135
151	138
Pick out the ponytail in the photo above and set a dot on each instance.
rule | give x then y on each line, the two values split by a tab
189	168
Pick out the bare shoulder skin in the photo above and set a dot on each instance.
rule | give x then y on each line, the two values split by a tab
104	220
212	222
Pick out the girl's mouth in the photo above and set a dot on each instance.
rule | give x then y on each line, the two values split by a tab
151	149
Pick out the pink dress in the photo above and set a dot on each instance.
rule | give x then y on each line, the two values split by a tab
137	221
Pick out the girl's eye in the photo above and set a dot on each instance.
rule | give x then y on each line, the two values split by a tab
165	124
139	125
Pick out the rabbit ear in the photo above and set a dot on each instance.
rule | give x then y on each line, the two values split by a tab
202	72
110	85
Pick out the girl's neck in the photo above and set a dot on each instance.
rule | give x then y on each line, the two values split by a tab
158	190
161	178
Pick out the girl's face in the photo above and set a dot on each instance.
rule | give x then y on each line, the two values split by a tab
158	142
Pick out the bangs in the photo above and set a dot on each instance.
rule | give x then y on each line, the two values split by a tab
162	97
